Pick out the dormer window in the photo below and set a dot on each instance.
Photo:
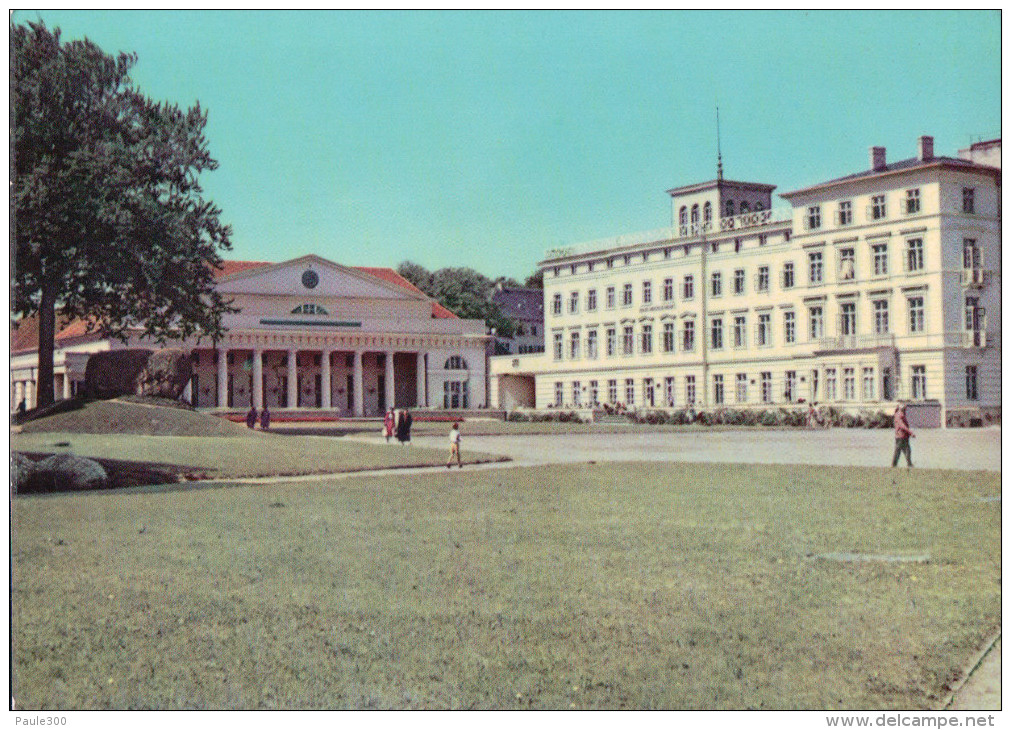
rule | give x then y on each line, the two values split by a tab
309	308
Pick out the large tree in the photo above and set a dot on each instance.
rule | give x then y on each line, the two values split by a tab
108	222
463	291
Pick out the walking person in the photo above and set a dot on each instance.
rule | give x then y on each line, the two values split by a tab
388	425
454	446
251	418
404	421
265	418
902	435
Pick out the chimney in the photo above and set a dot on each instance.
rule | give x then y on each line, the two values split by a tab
926	148
878	158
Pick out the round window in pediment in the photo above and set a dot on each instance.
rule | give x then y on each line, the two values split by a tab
310	279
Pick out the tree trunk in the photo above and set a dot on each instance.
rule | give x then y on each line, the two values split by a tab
47	343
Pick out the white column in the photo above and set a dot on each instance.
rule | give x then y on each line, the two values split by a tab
66	384
325	379
187	394
30	394
358	384
292	378
258	379
19	393
222	377
420	370
391	393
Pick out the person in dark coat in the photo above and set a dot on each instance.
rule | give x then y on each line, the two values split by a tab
251	418
404	427
265	418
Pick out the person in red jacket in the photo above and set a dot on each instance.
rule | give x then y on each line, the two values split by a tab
902	435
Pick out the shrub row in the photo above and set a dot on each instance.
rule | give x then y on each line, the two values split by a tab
781	417
539	417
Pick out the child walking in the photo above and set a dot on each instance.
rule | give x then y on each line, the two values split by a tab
454	446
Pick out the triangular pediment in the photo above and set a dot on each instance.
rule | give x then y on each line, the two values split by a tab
313	276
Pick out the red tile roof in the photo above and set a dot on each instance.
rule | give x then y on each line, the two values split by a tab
26	336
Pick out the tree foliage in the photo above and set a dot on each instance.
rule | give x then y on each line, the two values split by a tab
109	224
535	280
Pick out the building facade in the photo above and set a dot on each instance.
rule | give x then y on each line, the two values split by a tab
525	306
309	334
867	289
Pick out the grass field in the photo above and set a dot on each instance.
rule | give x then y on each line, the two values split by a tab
590	586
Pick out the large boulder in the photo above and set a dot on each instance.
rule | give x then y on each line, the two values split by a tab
166	374
114	373
63	472
22	469
159	373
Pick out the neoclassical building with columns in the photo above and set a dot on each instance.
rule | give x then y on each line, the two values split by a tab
309	334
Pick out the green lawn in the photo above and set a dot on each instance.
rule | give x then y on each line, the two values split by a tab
251	454
668	586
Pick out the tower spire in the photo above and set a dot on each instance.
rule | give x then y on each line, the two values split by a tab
719	153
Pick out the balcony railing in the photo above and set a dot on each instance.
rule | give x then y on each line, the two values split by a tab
856	342
678	233
975	277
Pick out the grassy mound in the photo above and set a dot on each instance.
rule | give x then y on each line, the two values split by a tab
118	416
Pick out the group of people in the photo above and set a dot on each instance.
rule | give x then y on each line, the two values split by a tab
398	423
263	416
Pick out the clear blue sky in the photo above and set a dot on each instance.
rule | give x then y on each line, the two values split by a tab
482	138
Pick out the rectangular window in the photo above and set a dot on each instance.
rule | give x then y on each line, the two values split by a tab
879	253
790	387
612	391
814	272
628	340
609	297
813	219
558	345
718	389
716	334
647	292
848	318
573	302
591	300
915	314
763	336
556	304
612	341
739	281
817	323
668	337
626	296
789	327
668	289
646	343
690	389
688	336
591	344
919	382
849	384
762	280
868	384
766	387
668	386
847	264
845	212
912	201
577	394
968	200
740	327
914	254
831	392
971	383
688	287
574	346
973	314
881	316
594	394
970	254
717	284
788	275
629	392
559	394
741	388
877	209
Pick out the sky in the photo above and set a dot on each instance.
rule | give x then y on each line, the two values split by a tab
482	139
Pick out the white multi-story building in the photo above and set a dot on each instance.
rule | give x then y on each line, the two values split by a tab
309	334
878	286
